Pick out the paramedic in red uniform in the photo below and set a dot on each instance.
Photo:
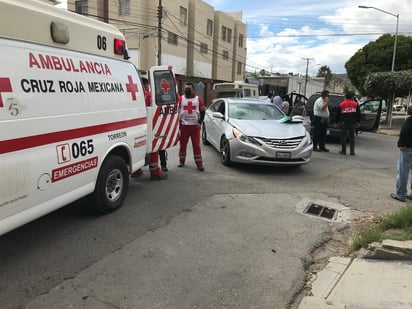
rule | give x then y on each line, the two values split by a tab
192	113
348	118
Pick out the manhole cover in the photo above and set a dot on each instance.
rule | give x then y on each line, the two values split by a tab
320	211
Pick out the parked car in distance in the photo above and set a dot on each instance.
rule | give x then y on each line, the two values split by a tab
253	131
370	113
397	108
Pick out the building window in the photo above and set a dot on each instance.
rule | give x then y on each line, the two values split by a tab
225	55
203	48
183	16
239	67
224	33
240	40
82	7
124	7
172	38
229	35
209	27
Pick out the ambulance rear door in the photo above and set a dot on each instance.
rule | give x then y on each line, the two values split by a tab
162	114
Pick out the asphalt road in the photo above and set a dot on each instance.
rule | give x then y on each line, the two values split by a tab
263	242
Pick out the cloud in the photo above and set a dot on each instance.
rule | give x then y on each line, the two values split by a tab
329	33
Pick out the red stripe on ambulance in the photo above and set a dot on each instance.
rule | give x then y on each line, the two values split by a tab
54	137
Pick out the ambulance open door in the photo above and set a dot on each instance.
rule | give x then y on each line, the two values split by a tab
162	114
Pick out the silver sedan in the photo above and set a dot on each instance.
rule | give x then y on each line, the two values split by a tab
256	132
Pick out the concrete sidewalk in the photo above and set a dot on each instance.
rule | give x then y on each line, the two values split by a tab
366	283
394	128
361	284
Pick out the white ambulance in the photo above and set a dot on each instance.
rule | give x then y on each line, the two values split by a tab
237	89
73	118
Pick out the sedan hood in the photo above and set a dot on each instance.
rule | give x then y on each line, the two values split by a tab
269	128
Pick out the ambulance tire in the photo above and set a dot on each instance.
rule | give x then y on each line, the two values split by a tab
111	186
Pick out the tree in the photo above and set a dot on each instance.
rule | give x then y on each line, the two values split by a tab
388	85
377	57
385	84
324	71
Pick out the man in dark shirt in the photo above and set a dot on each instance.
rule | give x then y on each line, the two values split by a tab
404	159
348	118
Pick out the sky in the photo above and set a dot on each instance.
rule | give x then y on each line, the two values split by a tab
286	36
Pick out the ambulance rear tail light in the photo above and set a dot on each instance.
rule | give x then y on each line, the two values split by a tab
120	48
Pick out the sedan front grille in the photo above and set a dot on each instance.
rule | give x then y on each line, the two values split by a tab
290	143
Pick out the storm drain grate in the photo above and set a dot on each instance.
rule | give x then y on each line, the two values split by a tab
320	211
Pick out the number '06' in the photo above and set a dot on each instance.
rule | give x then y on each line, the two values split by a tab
83	148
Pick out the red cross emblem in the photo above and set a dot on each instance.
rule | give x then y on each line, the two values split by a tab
5	86
165	86
132	87
189	107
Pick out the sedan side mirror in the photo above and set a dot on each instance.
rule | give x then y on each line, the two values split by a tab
218	115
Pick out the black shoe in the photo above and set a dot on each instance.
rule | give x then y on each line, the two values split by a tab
352	153
181	165
395	197
158	177
316	149
342	152
200	168
324	149
165	169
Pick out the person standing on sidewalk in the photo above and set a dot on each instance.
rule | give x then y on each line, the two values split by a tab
348	118
192	114
404	159
320	121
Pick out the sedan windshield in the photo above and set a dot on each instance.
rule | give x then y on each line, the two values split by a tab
254	111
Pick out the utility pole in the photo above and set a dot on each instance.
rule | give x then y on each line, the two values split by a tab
159	33
306	75
106	11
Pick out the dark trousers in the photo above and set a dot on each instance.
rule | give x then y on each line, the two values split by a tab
319	132
162	156
347	128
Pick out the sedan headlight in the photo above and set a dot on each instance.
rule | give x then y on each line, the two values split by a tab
308	138
246	139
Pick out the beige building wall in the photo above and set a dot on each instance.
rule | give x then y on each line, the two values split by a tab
239	49
223	46
200	39
185	42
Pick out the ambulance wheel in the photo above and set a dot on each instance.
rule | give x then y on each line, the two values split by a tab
204	136
111	186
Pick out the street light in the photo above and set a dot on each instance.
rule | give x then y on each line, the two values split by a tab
396	33
394	48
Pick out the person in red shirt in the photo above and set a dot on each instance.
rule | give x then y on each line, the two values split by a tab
192	114
348	118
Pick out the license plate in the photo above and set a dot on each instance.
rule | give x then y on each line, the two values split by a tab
283	155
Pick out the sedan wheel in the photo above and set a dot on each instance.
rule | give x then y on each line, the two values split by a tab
225	152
